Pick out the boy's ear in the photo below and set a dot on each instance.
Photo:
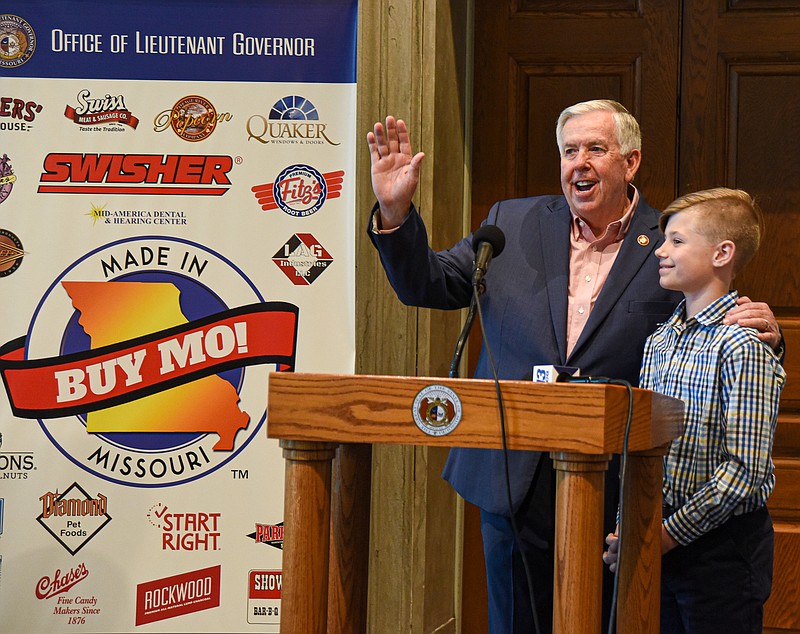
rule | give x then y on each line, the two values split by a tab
723	254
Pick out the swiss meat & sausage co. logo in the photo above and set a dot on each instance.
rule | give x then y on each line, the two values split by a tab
146	361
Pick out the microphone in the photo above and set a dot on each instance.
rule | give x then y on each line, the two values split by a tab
566	377
487	242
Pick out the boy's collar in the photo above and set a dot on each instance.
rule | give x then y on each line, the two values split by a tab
713	313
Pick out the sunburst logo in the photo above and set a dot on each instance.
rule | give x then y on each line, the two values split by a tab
97	213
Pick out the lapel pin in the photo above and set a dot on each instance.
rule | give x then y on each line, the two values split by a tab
643	240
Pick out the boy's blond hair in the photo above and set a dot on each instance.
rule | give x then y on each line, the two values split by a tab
723	214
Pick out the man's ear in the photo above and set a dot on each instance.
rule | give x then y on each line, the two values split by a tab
723	253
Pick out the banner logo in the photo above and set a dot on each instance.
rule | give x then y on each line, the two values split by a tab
7	178
177	595
146	361
302	259
299	190
269	534
73	517
292	120
185	531
11	253
60	582
139	174
17	41
264	596
192	118
101	111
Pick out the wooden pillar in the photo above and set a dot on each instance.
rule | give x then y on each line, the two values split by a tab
307	513
577	598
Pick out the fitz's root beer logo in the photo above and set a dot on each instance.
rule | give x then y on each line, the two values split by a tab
177	595
153	373
299	190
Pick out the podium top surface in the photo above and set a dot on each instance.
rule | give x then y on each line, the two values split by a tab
374	409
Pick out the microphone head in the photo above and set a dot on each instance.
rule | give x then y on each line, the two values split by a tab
491	234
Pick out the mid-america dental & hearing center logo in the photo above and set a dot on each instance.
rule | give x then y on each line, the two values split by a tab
146	361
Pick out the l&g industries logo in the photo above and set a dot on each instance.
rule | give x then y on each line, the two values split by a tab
17	41
146	361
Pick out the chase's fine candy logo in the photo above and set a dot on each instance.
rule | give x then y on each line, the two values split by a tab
17	41
437	410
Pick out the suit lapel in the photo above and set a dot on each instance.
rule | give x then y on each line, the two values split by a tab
631	257
554	236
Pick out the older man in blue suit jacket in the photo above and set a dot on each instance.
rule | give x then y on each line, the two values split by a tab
577	285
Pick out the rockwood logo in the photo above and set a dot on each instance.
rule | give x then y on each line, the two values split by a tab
20	112
185	531
172	175
193	118
293	120
60	582
95	111
177	595
73	517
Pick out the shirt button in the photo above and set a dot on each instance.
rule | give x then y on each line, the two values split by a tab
581	310
588	278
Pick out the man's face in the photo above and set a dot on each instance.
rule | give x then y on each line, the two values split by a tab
594	174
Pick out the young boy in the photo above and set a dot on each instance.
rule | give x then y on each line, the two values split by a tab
717	536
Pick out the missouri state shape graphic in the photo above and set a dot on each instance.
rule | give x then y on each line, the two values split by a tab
112	312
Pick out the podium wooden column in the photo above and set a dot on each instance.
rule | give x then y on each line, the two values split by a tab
581	424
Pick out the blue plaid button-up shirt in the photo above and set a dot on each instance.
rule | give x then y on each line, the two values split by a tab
731	383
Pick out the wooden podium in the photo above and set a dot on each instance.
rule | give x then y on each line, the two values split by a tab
580	424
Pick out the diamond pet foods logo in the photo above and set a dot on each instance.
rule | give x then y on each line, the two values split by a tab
175	596
139	174
101	111
17	41
293	120
299	190
73	517
302	259
192	118
147	359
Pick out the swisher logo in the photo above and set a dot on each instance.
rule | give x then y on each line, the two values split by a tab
185	531
73	517
93	111
147	359
299	190
48	587
140	174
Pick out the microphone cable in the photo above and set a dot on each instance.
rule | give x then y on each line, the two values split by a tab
501	407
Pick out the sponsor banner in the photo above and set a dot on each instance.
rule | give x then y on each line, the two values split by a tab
176	222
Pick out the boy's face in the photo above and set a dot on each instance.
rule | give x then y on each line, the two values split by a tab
686	257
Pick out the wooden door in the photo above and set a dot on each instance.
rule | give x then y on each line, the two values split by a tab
715	85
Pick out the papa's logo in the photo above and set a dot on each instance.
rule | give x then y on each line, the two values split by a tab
146	361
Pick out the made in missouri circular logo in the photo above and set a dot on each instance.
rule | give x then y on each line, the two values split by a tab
17	41
146	361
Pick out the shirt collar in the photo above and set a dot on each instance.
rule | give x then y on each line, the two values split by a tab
711	314
614	232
